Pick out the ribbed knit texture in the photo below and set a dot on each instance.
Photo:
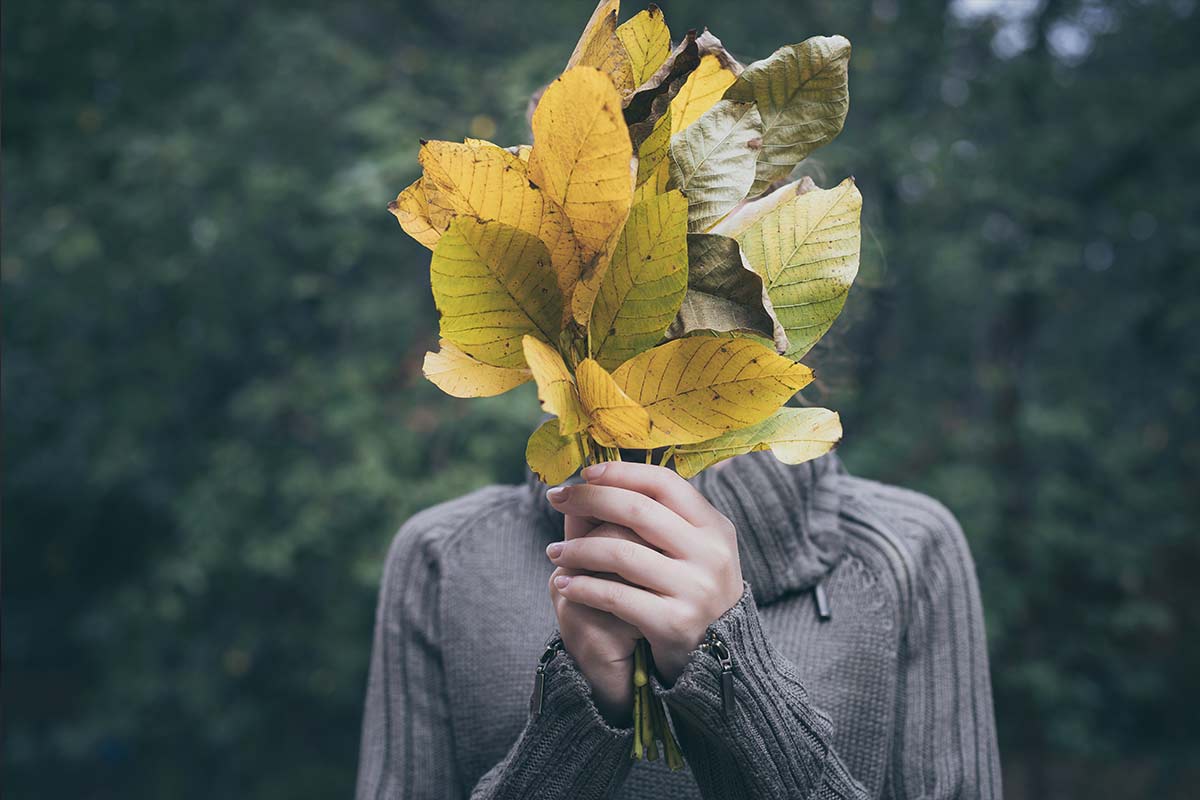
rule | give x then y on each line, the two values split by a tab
890	697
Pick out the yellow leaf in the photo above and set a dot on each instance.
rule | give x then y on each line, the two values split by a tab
640	292
702	90
492	284
807	251
581	159
699	387
653	168
615	420
794	435
459	375
647	42
552	456
600	47
482	180
556	386
411	209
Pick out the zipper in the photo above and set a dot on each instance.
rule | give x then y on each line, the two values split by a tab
715	646
539	678
822	602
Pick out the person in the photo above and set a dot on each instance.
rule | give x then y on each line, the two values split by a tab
854	651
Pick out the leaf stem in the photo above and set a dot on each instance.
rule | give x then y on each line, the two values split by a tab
670	451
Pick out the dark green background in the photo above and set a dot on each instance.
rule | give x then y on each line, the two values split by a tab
214	417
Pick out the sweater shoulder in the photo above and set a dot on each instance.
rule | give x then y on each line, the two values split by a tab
426	534
917	535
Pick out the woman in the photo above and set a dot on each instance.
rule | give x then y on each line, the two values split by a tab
848	610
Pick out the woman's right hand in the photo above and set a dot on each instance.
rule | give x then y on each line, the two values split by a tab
601	644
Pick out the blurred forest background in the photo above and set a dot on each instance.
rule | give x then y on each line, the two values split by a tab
215	420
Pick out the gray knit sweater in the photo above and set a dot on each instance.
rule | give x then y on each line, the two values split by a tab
858	655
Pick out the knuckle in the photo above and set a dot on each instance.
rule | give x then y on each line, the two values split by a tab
705	586
612	595
636	513
625	553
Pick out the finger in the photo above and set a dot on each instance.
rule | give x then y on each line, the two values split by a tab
659	483
575	526
612	531
642	609
570	614
650	519
637	564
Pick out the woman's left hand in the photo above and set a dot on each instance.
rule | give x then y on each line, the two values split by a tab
684	575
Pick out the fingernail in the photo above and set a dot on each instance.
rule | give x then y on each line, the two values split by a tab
594	471
554	550
557	494
562	580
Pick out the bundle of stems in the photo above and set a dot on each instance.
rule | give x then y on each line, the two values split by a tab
650	724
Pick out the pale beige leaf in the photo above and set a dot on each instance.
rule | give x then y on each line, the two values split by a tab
807	250
802	94
459	375
492	284
712	161
794	435
556	386
411	209
552	456
750	211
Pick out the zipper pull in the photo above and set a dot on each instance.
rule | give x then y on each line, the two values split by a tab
822	601
539	678
719	650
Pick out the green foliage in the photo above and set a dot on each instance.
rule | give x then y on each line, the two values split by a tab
213	333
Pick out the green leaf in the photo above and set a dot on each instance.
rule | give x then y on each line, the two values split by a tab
712	161
795	435
724	293
807	251
643	286
802	94
493	284
552	456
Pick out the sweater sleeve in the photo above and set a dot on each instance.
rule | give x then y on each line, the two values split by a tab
945	744
407	752
775	744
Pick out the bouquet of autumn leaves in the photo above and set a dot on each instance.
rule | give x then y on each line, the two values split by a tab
645	261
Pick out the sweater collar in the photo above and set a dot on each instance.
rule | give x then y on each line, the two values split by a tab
786	517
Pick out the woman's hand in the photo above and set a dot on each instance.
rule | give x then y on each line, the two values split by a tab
681	576
601	644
